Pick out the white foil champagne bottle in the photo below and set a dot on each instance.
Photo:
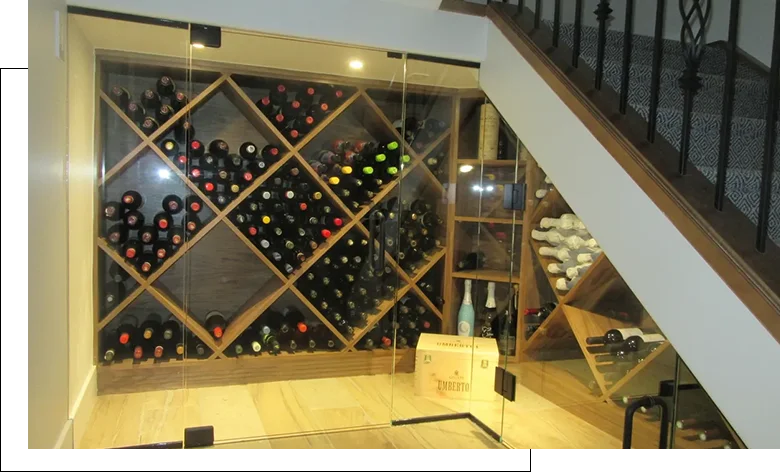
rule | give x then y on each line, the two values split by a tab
489	314
466	313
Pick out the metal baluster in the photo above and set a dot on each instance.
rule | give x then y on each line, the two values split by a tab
769	140
602	14
556	23
538	14
693	50
575	55
655	80
728	106
628	32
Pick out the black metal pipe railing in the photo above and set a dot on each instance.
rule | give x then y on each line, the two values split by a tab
728	106
556	23
765	199
655	79
628	35
577	37
693	44
602	15
538	14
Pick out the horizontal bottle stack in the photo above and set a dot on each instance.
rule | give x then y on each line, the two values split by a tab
567	240
287	331
218	173
155	337
419	134
147	244
295	109
357	170
287	218
155	106
349	284
413	320
410	230
620	350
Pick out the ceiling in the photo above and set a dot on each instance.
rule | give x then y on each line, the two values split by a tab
253	49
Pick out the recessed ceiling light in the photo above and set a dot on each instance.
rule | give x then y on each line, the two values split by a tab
466	168
356	64
198	45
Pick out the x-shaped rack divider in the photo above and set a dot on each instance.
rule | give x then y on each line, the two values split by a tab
241	321
597	281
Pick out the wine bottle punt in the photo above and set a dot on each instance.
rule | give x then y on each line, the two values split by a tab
132	200
172	204
117	234
148	234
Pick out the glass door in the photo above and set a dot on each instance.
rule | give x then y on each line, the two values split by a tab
290	281
142	331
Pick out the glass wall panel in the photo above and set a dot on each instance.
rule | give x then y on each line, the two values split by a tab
141	332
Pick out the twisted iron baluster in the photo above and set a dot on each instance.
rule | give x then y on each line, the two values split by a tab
693	45
602	15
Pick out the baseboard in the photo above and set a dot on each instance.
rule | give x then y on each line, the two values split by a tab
65	439
81	411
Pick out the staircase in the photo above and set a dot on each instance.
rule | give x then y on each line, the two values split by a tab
696	268
748	123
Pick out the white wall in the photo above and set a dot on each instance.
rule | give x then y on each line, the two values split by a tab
727	349
754	35
384	24
81	211
47	356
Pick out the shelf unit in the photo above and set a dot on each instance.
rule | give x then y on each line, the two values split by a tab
224	79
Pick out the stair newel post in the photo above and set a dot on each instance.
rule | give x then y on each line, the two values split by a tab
602	11
693	44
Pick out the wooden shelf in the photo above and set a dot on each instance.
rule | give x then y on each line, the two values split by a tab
490	275
487	219
490	163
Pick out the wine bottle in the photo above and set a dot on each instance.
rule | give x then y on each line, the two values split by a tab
466	313
568	238
565	254
472	261
270	153
117	273
193	223
166	86
163	221
265	105
120	96
132	200
146	263
171	329
216	324
113	294
128	325
134	219
151	327
271	344
136	112
117	234
278	94
219	148
112	211
209	162
164	113
184	131
248	151
566	221
150	99
614	336
149	125
148	234
489	313
176	236
162	249
196	149
179	100
172	204
131	249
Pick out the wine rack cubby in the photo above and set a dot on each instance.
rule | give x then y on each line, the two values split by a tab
219	266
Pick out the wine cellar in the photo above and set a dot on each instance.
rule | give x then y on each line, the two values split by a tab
277	265
212	246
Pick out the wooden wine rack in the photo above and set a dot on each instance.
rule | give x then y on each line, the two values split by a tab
127	376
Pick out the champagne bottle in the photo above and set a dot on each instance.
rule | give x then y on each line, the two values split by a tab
489	313
466	313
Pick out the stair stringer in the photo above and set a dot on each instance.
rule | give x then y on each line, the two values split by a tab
731	353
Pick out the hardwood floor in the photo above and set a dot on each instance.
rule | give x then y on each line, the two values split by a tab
318	405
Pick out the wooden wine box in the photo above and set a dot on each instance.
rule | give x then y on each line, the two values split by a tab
456	367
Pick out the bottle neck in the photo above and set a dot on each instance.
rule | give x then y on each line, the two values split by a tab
467	293
491	295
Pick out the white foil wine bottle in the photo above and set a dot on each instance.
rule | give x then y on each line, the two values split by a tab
466	313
